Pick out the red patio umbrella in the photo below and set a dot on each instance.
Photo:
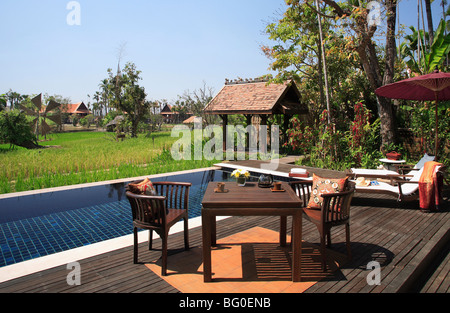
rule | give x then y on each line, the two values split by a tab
429	87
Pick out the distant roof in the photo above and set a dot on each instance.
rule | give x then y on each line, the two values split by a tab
192	119
76	108
116	120
258	97
167	109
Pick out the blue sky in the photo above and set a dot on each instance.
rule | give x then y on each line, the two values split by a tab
177	44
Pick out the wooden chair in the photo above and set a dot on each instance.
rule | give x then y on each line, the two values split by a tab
159	213
335	211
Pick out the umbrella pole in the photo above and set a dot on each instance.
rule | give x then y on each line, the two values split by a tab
436	144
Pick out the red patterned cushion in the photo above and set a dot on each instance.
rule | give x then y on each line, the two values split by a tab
145	187
324	185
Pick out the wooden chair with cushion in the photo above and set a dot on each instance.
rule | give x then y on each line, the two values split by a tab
159	213
334	210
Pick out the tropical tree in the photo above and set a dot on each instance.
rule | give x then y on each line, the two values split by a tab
379	69
195	103
347	23
105	96
2	102
14	98
419	116
16	130
430	59
297	53
127	96
429	21
154	117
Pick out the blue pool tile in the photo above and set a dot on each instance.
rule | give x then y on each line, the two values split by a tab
43	235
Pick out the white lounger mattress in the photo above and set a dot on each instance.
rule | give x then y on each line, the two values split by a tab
407	188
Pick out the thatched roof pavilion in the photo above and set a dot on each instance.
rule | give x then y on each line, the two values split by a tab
257	97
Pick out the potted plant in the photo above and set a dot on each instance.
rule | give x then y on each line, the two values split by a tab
241	176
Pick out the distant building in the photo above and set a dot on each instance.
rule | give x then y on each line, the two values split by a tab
69	111
79	109
170	116
111	126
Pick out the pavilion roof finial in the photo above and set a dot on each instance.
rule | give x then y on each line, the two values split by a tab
240	80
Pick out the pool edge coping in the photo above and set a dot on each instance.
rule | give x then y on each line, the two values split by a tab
100	183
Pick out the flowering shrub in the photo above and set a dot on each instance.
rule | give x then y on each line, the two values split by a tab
422	122
360	124
338	149
326	147
359	129
300	139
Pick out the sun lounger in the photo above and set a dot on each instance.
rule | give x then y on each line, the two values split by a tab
389	176
403	189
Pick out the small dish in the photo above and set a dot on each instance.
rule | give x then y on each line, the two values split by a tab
218	191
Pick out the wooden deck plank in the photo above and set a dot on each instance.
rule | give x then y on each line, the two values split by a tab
382	251
355	273
110	276
439	281
368	234
408	264
405	250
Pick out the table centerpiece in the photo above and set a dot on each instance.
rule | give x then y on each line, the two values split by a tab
241	176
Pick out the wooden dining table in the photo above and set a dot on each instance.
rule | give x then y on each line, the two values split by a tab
251	200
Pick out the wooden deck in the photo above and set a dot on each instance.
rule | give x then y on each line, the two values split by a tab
412	248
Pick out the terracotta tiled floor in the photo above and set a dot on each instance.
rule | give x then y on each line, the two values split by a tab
247	262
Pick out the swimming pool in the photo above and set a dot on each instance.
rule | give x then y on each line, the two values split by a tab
49	222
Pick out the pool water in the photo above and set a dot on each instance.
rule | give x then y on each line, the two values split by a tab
42	224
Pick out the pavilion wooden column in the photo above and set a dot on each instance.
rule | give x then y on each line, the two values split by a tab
249	122
263	147
286	119
224	118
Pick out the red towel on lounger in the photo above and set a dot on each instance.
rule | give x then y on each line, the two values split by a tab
430	187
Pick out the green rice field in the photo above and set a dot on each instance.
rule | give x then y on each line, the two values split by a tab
83	157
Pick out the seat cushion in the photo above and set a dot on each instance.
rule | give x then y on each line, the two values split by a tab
313	214
323	185
145	187
407	188
426	158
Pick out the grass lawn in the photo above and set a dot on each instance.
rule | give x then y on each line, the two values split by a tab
84	157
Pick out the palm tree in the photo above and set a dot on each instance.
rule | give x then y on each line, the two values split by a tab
430	21
105	89
324	62
429	59
14	98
